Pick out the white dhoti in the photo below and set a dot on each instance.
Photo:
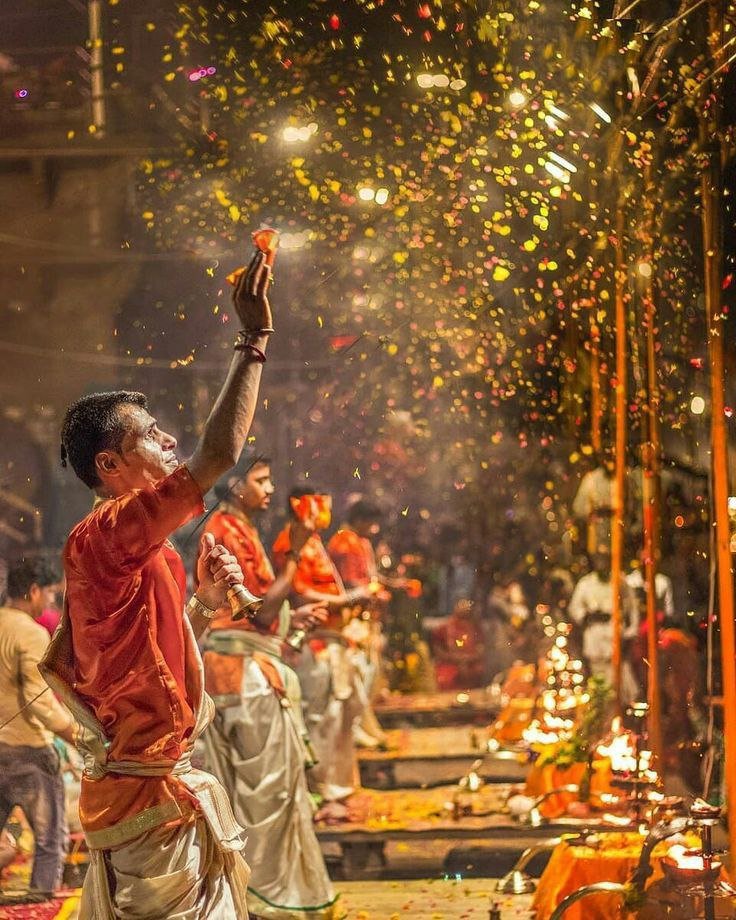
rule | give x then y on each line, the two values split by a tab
178	873
147	867
255	748
333	701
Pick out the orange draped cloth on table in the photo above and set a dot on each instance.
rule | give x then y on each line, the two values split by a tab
573	867
131	663
353	557
543	779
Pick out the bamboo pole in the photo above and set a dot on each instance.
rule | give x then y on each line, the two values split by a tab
651	452
96	68
711	187
620	412
596	402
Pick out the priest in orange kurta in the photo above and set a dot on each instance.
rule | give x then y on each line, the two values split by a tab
162	837
334	695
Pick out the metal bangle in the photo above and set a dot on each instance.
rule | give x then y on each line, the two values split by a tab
195	605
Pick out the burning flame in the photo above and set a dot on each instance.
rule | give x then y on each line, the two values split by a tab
620	750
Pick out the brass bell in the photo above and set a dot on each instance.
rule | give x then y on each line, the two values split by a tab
243	603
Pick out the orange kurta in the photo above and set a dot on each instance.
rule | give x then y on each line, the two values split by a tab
353	557
315	571
237	534
132	663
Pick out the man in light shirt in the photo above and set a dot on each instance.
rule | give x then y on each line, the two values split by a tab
590	607
30	774
662	589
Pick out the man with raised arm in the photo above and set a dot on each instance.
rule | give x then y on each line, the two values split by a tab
162	836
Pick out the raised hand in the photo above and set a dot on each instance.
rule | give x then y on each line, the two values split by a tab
250	297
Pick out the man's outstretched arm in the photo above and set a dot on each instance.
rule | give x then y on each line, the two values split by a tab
229	422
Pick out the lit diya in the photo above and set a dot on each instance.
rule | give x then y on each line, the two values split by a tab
684	867
267	241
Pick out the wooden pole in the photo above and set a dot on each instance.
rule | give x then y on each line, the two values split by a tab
96	68
711	189
596	403
651	452
620	412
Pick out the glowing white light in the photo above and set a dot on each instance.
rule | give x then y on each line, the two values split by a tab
601	113
697	405
554	170
561	161
634	81
558	113
550	122
292	133
732	504
645	269
457	85
517	98
365	193
293	241
381	196
441	80
425	80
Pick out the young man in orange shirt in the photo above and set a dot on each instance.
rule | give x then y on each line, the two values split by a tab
333	693
257	744
162	836
351	551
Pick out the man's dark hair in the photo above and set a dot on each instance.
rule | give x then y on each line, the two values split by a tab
93	423
363	511
298	492
27	571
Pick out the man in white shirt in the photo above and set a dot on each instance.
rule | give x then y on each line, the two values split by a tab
662	590
30	716
590	608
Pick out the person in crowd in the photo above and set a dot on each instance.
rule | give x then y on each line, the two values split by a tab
334	697
665	613
505	622
162	837
662	589
257	745
457	576
350	547
352	553
590	608
30	715
459	650
594	501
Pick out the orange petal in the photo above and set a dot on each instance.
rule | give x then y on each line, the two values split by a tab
232	278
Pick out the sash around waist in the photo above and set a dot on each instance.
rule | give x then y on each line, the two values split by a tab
242	642
212	799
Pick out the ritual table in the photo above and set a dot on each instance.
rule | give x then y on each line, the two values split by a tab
573	867
451	707
429	756
377	817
